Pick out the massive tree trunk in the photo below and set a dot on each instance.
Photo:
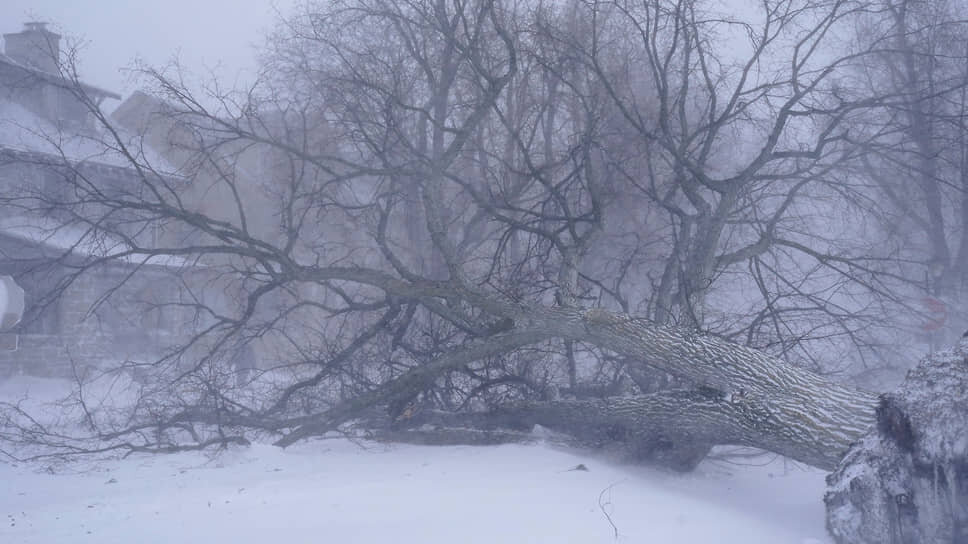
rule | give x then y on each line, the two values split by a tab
744	396
673	428
794	411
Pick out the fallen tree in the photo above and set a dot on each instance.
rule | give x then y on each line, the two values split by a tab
474	223
746	397
380	232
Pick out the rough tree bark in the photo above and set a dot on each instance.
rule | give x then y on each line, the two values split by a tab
673	428
745	397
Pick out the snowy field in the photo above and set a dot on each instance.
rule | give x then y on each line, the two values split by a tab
343	492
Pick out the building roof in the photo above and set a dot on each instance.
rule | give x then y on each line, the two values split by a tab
57	79
83	241
25	131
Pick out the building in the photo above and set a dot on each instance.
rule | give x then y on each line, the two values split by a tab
48	133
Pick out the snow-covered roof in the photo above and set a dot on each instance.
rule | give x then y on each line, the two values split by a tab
80	239
23	130
56	79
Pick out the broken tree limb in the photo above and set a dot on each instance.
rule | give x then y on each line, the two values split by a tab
407	384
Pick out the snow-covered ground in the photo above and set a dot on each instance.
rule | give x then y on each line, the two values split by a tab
343	492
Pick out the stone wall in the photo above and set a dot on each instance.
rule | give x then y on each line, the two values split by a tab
79	330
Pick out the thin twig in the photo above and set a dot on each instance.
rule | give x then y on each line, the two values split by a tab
603	503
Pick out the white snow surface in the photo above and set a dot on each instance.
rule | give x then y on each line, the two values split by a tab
80	239
339	491
23	130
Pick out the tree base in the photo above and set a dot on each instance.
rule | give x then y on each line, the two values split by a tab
907	481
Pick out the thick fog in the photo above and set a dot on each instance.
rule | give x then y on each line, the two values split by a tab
211	34
709	251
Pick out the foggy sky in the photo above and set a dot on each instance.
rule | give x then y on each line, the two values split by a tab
203	34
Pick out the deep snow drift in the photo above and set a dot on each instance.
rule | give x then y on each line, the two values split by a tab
341	492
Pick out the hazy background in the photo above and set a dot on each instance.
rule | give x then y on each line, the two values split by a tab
203	34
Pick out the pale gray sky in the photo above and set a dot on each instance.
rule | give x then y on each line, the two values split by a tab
203	33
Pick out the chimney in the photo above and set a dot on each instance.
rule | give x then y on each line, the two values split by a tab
35	47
